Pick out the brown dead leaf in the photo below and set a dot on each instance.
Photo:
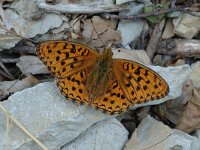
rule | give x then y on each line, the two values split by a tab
31	65
10	87
99	32
195	7
173	110
88	29
75	27
190	120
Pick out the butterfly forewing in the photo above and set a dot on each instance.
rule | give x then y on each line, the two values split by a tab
65	58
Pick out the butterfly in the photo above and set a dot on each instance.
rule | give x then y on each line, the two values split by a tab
110	85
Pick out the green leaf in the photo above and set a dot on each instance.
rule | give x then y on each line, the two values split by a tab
151	8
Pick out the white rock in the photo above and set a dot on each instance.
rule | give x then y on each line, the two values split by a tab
154	135
29	29
23	19
122	1
8	40
104	135
131	30
195	74
197	134
188	26
47	115
56	121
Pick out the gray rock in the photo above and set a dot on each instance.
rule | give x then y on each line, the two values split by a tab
154	135
197	134
47	115
56	121
131	30
108	134
187	26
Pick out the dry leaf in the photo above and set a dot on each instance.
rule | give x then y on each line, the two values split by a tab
195	7
190	120
173	110
31	65
9	87
75	27
100	32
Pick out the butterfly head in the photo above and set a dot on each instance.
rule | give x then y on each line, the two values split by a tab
108	52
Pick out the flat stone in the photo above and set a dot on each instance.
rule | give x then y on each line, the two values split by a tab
154	135
188	26
195	74
107	134
44	112
56	121
131	30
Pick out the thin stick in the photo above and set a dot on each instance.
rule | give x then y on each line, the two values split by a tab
7	134
144	15
8	114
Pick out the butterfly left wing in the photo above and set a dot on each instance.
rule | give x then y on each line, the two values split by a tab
65	58
72	87
70	63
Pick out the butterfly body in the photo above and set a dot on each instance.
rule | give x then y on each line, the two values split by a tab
97	82
110	85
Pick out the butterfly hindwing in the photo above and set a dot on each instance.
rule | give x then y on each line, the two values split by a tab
114	101
72	87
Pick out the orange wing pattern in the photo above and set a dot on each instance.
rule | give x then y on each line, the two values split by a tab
65	58
114	101
73	88
71	63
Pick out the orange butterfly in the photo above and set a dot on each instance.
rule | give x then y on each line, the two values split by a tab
110	85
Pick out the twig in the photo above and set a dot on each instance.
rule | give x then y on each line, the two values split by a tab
22	49
154	40
181	47
91	8
9	75
8	114
144	15
9	60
